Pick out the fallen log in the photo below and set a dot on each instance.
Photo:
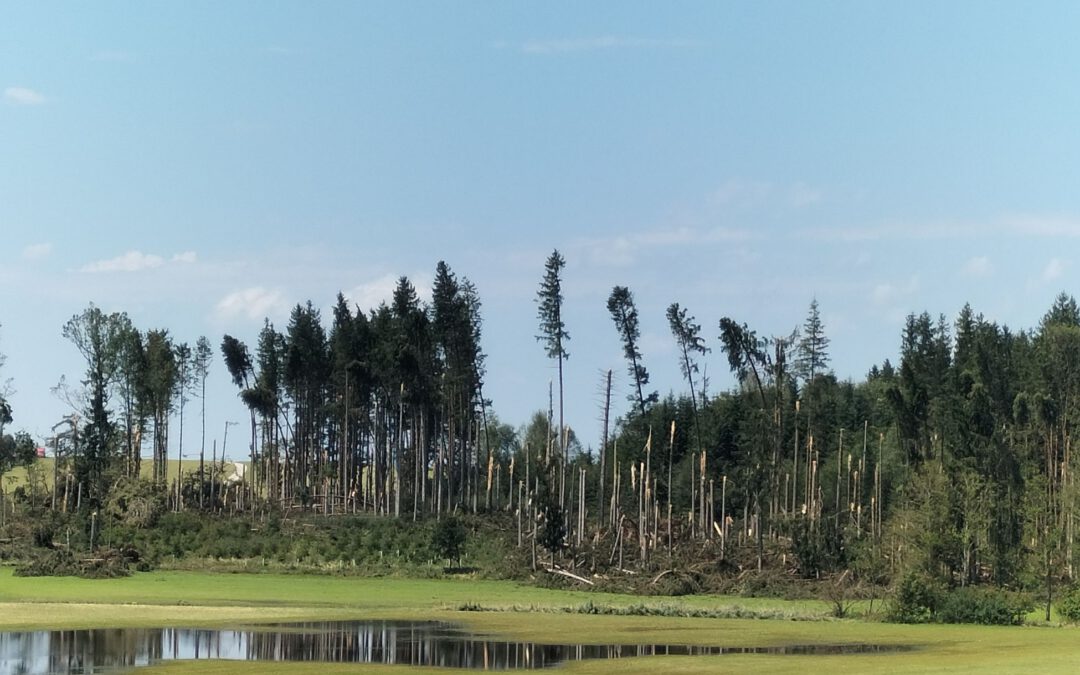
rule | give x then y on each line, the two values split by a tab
569	574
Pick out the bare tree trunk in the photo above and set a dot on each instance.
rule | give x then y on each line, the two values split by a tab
603	452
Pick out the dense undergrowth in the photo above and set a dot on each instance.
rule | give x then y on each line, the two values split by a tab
56	543
52	543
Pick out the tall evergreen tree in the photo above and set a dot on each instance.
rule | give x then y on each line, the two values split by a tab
624	313
162	377
265	398
553	334
813	352
186	382
306	375
687	333
204	356
132	383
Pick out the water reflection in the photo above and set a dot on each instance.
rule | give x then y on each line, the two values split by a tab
390	642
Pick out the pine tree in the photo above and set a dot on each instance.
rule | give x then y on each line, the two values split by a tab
553	333
687	335
204	355
161	377
620	305
813	352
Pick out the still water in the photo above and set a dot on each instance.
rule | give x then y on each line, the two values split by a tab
102	650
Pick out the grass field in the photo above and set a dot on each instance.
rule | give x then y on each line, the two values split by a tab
43	468
193	598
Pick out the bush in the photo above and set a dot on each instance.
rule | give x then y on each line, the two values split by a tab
448	539
920	600
1069	605
915	600
986	606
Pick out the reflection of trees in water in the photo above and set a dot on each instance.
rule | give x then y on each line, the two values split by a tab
416	644
410	643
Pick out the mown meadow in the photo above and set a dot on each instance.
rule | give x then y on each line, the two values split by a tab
187	598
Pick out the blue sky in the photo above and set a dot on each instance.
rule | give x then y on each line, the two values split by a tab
201	165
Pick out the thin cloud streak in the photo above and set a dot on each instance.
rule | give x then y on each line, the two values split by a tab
603	42
623	250
37	251
23	96
136	261
254	303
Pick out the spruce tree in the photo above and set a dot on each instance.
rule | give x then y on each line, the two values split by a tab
620	305
553	333
813	352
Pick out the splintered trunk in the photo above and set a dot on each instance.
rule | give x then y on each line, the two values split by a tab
839	463
562	446
795	466
614	482
670	462
723	516
180	456
603	453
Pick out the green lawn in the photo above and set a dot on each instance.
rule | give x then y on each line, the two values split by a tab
192	598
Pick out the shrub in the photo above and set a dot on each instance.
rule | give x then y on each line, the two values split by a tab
1069	605
448	538
986	606
920	600
915	600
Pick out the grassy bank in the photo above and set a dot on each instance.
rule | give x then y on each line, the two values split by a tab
191	598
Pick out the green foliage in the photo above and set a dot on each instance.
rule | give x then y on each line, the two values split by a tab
549	301
552	534
813	354
918	599
135	502
17	450
915	600
818	547
983	605
624	313
101	564
1069	605
448	538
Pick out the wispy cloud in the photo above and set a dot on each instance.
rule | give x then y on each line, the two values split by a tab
624	250
896	231
37	251
1043	226
602	42
1030	225
136	261
253	303
755	193
889	293
1053	270
23	96
132	261
977	268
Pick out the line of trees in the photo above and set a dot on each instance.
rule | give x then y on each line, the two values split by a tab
956	462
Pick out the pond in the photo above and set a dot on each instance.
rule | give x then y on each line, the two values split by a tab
420	643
